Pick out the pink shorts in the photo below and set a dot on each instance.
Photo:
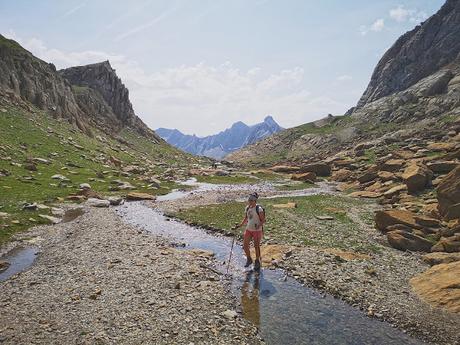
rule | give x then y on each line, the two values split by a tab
256	235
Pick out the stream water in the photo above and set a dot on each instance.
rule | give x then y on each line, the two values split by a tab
285	311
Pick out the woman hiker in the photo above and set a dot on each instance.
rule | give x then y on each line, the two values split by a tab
254	219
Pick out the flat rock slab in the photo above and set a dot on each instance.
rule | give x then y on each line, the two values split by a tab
440	286
133	196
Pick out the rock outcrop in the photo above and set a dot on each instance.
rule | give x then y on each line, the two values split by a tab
448	192
86	96
96	82
418	54
24	76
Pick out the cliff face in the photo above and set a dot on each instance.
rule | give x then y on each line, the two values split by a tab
35	81
101	77
91	95
417	54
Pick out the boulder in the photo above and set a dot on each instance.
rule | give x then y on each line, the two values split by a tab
392	165
320	169
448	191
384	219
442	167
417	177
437	147
395	190
453	212
284	169
369	175
341	175
133	196
115	200
404	240
98	202
386	175
437	258
448	245
438	286
365	194
305	177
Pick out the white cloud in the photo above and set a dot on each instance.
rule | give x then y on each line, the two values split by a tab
201	98
402	14
378	25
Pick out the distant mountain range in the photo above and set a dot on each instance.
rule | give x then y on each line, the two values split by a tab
219	145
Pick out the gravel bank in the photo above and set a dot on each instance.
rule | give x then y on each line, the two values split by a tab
99	281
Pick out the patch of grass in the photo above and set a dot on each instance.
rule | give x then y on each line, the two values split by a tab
298	226
371	156
25	136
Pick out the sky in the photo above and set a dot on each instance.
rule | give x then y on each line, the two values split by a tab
201	65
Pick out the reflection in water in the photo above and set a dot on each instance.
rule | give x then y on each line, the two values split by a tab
250	298
254	288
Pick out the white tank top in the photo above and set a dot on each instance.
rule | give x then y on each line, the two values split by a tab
253	223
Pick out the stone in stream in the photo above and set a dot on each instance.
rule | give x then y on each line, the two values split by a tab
4	215
4	265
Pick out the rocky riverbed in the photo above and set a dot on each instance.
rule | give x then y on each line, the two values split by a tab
378	283
97	280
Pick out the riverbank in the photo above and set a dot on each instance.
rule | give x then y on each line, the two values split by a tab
337	250
97	280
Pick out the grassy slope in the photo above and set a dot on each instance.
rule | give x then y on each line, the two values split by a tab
299	225
26	135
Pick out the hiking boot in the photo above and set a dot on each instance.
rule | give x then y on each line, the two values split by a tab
248	262
257	264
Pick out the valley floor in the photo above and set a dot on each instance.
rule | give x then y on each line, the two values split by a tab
97	280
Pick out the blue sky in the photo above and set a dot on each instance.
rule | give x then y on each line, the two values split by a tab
201	65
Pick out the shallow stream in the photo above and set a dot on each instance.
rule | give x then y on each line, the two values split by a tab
285	311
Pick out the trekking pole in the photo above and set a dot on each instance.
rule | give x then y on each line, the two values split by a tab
231	250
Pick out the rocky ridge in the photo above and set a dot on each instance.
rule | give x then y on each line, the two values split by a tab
86	96
219	145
